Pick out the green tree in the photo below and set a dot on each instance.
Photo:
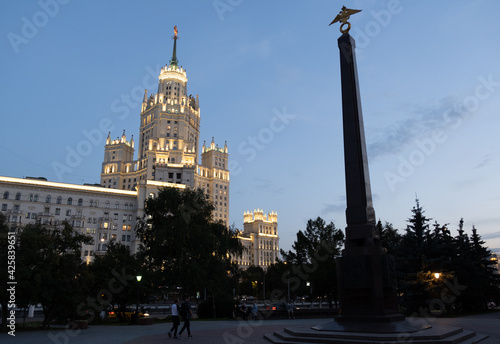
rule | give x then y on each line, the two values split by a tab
411	255
313	259
114	281
251	281
389	236
182	246
53	270
476	271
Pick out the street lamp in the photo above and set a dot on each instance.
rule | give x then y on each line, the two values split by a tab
138	277
437	275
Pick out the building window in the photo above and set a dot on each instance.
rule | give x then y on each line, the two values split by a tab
68	212
4	207
6	195
18	196
59	200
116	216
106	205
91	203
35	199
47	199
58	211
117	205
80	202
70	201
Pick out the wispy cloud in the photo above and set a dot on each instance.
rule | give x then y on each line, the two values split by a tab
420	120
332	208
486	160
493	235
268	186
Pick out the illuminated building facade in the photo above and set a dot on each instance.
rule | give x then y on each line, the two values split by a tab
259	238
168	146
168	151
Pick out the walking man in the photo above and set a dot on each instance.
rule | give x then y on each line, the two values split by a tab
186	314
175	319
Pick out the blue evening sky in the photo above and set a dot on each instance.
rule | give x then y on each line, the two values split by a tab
268	77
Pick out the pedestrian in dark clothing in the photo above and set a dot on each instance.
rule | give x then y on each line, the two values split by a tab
186	314
175	319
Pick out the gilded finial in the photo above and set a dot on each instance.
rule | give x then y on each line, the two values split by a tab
342	17
175	32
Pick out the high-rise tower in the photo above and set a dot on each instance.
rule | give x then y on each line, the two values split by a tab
168	144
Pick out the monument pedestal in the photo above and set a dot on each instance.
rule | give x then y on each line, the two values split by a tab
372	333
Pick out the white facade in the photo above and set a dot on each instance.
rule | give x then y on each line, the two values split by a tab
168	151
259	238
101	213
168	146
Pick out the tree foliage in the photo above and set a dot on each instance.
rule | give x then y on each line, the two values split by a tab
313	259
181	245
442	273
114	280
53	273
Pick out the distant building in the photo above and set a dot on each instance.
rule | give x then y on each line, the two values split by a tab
168	151
259	238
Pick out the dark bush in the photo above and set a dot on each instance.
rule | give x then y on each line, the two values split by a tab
224	306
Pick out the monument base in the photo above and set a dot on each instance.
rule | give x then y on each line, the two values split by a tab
372	333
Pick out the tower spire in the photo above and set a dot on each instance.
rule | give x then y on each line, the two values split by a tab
173	61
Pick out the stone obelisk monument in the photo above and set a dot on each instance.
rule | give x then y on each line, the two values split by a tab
367	283
366	274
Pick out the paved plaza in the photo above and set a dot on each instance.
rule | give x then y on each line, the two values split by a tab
219	332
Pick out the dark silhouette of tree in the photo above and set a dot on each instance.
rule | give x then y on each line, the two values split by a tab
389	236
439	273
313	259
182	246
53	272
475	270
114	281
411	257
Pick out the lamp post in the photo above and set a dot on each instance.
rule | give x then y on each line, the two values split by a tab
288	281
138	277
264	288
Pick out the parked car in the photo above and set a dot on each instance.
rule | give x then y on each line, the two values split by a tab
125	314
